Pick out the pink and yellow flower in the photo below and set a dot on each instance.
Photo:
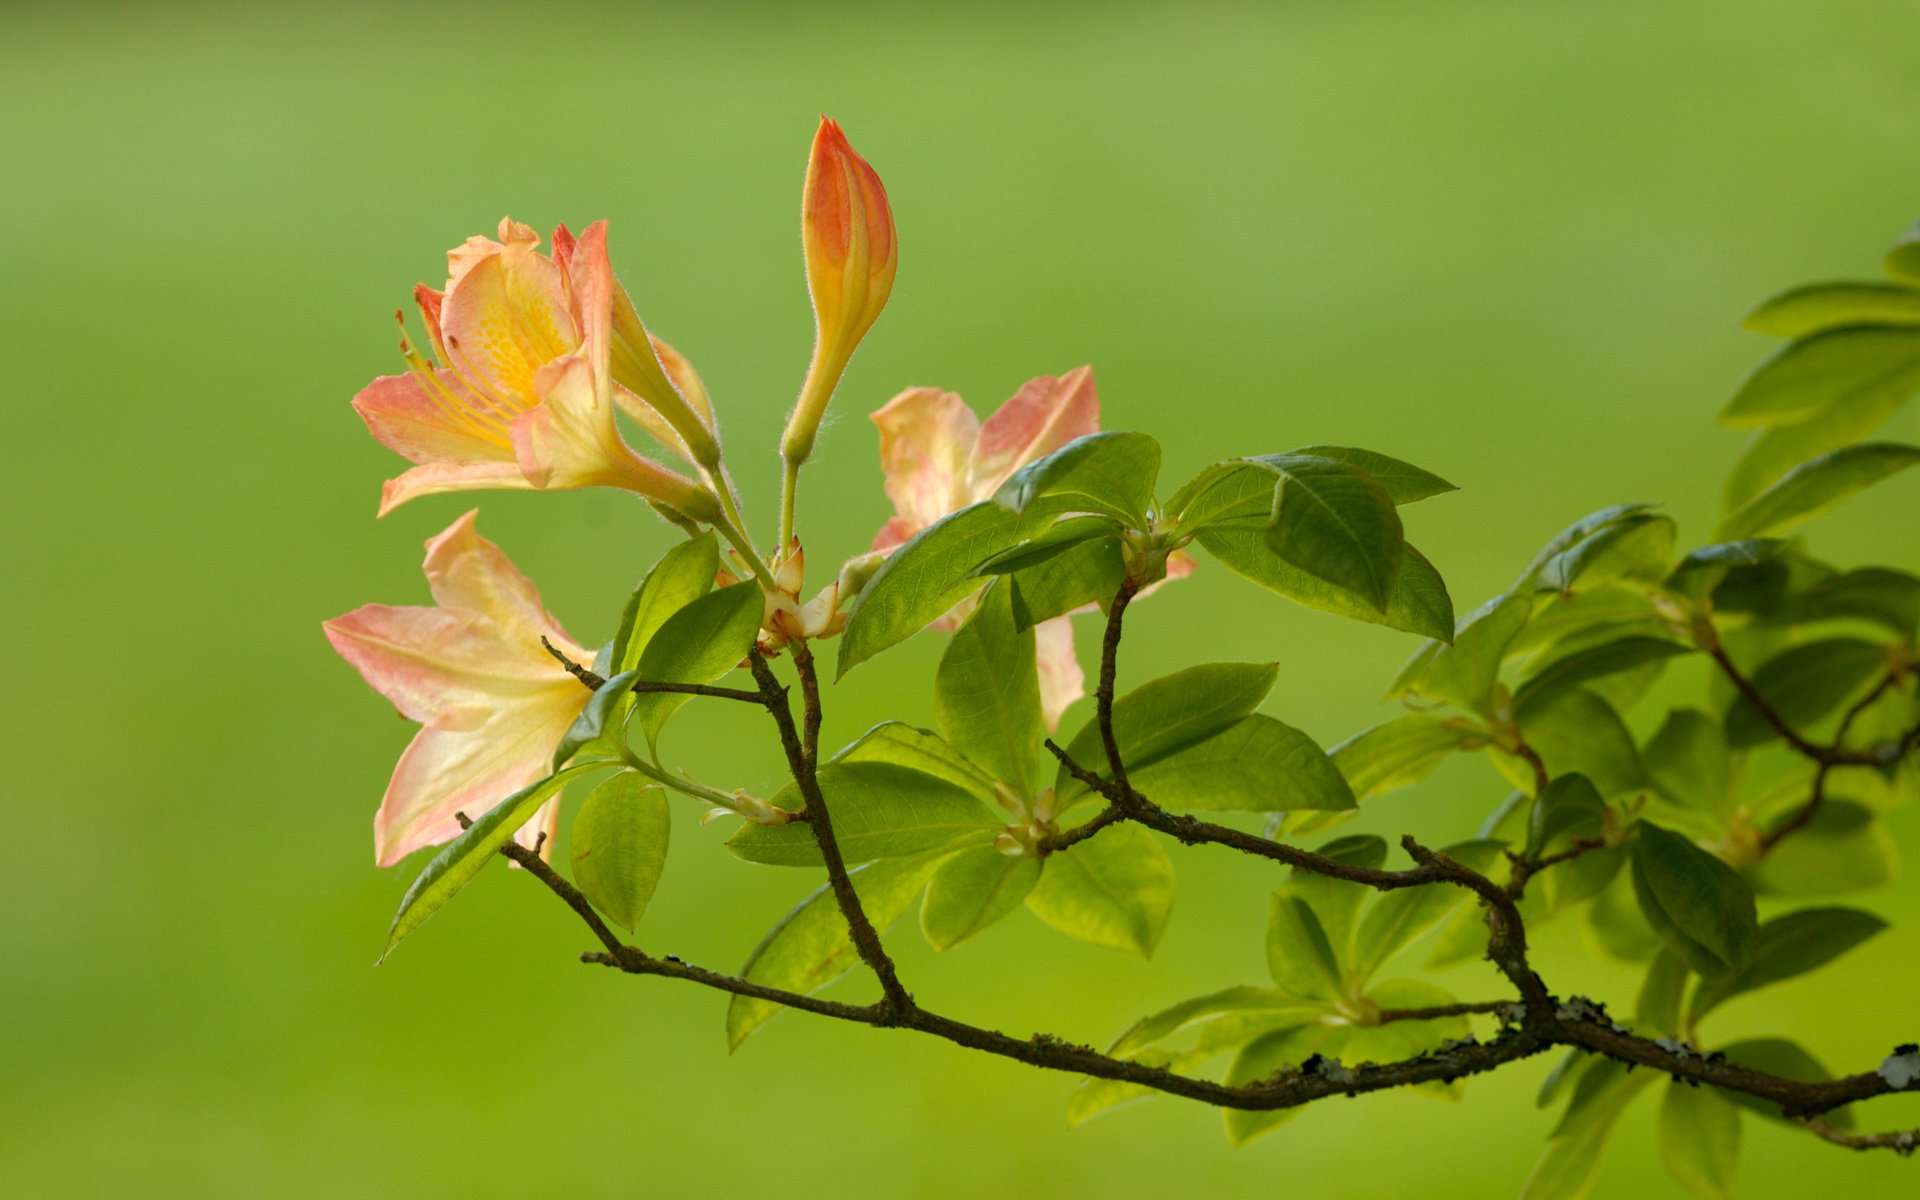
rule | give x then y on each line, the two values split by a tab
939	457
851	254
535	353
492	703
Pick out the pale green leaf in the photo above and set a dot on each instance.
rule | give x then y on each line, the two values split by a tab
1200	1010
1398	918
1403	481
1107	473
683	575
1419	602
879	810
1261	1059
619	846
918	749
1398	753
1787	946
1852	365
1817	307
972	890
1257	764
697	644
1700	1139
600	727
986	694
1844	848
1113	890
1817	485
1167	714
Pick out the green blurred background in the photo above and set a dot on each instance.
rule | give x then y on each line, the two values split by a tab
1510	241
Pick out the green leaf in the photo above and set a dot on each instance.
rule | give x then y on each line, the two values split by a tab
1403	481
812	946
1419	603
1902	262
1057	540
698	644
1789	1060
1465	672
1818	307
683	575
1657	1010
1168	1021
1165	715
1336	523
1088	573
1687	760
1696	903
1817	485
461	859
1888	598
1787	946
929	575
1577	731
1113	890
1095	1096
920	750
1236	493
1566	1169
1261	1058
1639	545
1299	956
1701	571
1569	539
600	727
879	810
1617	927
1804	684
1773	452
1398	753
1108	473
619	846
1569	809
986	695
1257	764
1335	903
1837	367
972	890
1700	1139
1596	662
1845	848
1397	919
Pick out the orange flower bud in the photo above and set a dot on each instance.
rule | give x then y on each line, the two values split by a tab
851	252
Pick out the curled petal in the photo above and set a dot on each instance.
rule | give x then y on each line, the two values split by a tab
1044	415
926	439
466	571
437	667
571	440
428	421
433	479
1061	679
506	315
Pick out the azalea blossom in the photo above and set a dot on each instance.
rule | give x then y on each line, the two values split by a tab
492	703
851	254
939	458
535	353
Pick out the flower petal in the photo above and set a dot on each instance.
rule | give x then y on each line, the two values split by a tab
1061	679
440	667
466	571
1044	415
431	479
445	771
506	315
406	417
926	439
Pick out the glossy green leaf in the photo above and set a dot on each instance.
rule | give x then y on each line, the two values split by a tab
1577	731
1335	903
986	695
1787	946
1566	1169
1817	485
1773	452
1090	572
1397	919
1595	662
1839	366
1398	753
1299	956
1845	848
1236	493
1701	570
1419	603
1804	684
619	846
1260	1060
1688	761
1902	263
1886	597
1700	1139
972	890
1638	545
1199	1010
1257	764
1569	809
461	859
1818	307
1403	481
1113	890
1696	903
1789	1060
812	946
1656	1012
929	575
1168	714
1108	473
1570	538
683	575
1054	541
1464	673
600	727
879	809
698	644
917	749
1337	524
